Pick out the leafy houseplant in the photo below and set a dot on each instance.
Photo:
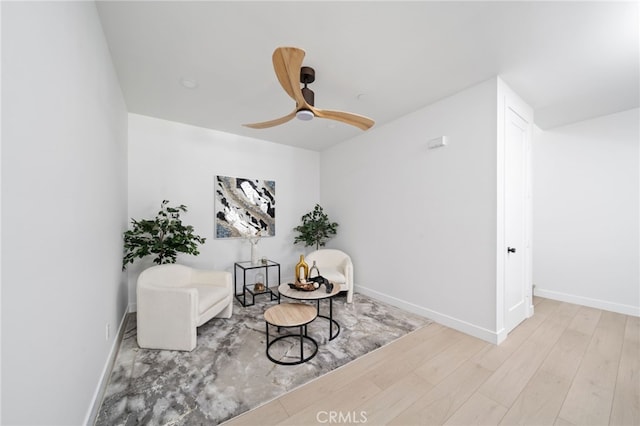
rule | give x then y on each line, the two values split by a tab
316	228
164	237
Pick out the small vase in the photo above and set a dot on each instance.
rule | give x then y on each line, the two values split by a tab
302	269
254	254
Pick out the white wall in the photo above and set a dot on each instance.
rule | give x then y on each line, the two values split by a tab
64	130
420	224
179	162
586	215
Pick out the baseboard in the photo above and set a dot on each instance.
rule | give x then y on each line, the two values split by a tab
96	400
495	337
586	301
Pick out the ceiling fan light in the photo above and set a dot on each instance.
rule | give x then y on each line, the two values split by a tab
304	115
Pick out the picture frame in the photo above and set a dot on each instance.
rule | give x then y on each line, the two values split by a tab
244	207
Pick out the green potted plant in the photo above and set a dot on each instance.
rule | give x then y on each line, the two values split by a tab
164	237
316	228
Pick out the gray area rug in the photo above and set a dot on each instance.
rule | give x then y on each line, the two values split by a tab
228	372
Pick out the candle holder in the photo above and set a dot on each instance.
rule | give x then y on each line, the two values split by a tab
259	285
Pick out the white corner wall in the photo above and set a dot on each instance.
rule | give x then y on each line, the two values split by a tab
179	162
420	224
586	214
64	134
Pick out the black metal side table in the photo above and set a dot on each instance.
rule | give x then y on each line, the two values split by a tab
246	266
317	295
290	315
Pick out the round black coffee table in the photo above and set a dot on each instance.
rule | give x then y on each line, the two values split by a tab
288	315
317	295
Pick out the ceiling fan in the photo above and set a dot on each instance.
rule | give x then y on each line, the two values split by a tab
287	62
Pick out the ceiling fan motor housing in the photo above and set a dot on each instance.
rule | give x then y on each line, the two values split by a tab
308	76
308	95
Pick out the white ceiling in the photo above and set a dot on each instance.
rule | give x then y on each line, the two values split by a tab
569	60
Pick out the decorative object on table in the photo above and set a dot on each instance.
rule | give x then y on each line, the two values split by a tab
164	237
254	240
314	268
264	260
320	280
244	207
302	270
259	285
303	287
313	284
316	228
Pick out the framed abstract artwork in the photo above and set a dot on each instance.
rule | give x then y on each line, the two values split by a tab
244	207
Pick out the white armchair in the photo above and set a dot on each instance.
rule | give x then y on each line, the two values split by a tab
173	300
336	267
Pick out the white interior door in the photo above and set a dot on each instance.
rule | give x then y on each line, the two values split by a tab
516	294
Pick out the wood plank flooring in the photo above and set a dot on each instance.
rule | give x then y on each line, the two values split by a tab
567	365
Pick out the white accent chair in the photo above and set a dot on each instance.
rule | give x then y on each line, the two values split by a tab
335	266
173	300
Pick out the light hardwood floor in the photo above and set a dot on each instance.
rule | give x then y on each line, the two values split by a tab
566	365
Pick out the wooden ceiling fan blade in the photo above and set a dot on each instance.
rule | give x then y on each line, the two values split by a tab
272	123
287	62
360	121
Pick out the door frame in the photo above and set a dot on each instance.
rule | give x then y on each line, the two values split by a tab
509	100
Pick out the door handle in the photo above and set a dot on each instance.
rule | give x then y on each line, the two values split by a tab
511	249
